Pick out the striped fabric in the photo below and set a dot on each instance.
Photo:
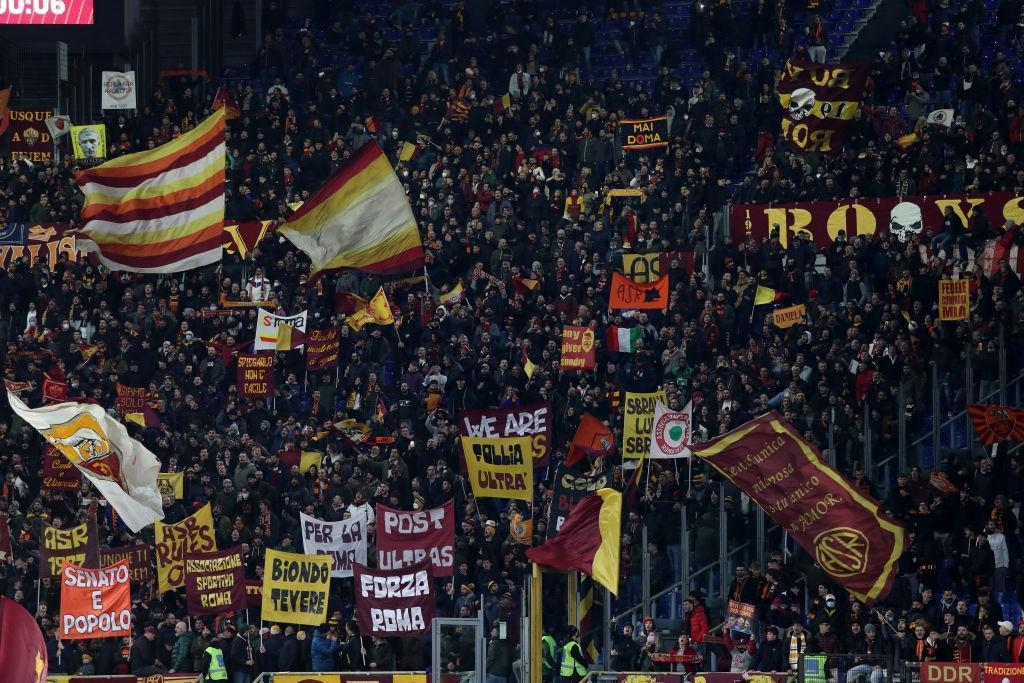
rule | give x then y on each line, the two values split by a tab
359	220
161	210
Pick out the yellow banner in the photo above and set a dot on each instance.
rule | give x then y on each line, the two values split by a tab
307	678
500	468
194	534
308	459
172	483
787	317
954	299
637	420
642	268
295	587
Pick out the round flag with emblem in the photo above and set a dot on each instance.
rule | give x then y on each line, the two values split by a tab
670	432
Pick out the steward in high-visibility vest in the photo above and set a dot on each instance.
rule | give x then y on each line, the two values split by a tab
213	664
549	656
573	669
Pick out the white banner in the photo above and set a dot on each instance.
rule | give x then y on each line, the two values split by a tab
267	324
117	90
345	541
671	432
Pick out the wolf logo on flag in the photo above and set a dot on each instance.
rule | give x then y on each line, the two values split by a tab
83	442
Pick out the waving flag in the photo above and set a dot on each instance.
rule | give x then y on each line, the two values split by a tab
588	540
22	646
120	468
161	210
997	424
359	220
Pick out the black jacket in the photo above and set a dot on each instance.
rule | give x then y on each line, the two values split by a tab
770	657
991	650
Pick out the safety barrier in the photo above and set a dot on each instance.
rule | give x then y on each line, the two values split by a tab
827	668
155	678
350	677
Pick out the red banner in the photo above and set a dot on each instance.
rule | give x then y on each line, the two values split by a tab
842	528
46	241
818	101
322	348
140	561
950	672
77	545
719	677
578	350
6	551
130	399
253	593
29	137
405	538
534	421
904	217
256	375
54	391
997	424
95	603
1005	673
397	603
215	582
58	472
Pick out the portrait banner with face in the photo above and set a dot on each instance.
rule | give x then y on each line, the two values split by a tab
904	218
89	143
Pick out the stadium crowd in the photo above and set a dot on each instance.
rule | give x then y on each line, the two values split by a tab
507	195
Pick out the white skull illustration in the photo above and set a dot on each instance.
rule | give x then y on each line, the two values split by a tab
800	104
905	221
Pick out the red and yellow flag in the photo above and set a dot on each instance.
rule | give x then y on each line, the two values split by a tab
593	438
161	210
588	540
997	424
359	220
841	527
289	337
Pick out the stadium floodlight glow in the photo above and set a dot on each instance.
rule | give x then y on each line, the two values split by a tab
46	12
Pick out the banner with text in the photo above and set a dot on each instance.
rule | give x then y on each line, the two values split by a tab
818	101
637	420
1004	673
642	268
95	603
578	350
533	421
295	588
343	541
191	535
570	488
267	324
130	399
322	348
954	299
392	604
789	316
77	545
404	538
950	672
641	134
740	617
255	375
44	243
29	138
215	582
500	468
140	561
58	472
903	217
839	526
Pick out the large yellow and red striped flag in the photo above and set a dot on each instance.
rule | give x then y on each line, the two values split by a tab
161	210
359	220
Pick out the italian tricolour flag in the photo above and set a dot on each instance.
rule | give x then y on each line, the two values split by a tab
624	339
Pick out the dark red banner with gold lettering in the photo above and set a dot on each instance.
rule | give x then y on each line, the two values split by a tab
30	138
818	101
950	672
843	529
904	218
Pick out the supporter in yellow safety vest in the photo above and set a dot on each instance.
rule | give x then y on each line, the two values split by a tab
213	663
573	669
549	656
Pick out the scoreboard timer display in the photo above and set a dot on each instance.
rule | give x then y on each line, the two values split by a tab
46	12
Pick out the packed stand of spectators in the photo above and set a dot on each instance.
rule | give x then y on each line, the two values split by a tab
508	195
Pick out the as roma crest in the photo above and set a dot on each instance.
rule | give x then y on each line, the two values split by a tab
83	442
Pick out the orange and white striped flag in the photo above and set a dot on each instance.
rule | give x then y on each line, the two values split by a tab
161	210
359	220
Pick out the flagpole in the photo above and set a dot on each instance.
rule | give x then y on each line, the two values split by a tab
536	624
